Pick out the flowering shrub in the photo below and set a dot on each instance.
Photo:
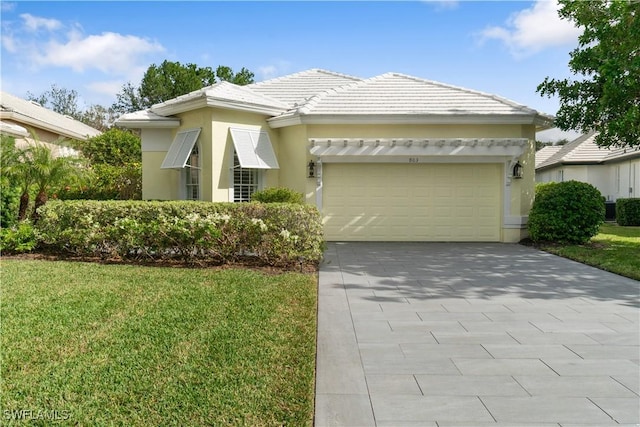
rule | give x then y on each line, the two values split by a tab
275	233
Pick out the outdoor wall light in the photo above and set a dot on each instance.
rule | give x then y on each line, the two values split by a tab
311	169
517	170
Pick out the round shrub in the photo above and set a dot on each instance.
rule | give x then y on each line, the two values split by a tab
566	212
277	195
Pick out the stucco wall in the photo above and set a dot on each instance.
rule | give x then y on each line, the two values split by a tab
223	149
614	180
157	184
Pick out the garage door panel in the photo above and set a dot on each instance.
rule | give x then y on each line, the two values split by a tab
424	202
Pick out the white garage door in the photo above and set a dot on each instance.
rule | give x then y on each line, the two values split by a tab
411	202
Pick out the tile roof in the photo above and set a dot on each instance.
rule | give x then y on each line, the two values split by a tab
316	93
394	93
29	113
297	88
224	92
545	152
583	150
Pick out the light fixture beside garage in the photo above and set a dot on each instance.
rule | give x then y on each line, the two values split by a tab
311	169
517	170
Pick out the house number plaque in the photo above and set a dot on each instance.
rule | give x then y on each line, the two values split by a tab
414	159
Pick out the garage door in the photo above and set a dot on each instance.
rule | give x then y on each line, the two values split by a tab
411	202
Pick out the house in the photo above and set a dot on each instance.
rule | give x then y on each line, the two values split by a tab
24	120
387	158
613	171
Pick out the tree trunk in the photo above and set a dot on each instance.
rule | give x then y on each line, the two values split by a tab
41	199
24	204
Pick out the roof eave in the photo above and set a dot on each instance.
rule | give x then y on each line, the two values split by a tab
209	101
367	119
150	123
63	132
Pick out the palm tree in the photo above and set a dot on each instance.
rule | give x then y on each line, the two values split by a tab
15	166
48	170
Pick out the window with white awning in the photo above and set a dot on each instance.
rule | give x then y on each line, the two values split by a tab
254	149
180	149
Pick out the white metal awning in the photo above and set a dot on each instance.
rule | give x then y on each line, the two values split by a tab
180	149
254	149
396	149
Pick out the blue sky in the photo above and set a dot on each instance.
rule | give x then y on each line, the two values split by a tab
501	47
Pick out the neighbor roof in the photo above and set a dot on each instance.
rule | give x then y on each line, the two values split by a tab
320	96
545	152
583	151
29	113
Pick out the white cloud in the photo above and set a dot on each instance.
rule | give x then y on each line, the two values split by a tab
9	43
35	23
276	69
444	4
107	52
7	6
106	87
43	43
534	29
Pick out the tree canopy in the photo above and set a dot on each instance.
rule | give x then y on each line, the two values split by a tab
60	100
605	94
171	79
66	101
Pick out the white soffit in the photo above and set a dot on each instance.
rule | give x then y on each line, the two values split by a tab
254	149
180	149
439	147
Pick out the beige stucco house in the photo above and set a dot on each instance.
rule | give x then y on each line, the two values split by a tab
25	120
387	158
613	171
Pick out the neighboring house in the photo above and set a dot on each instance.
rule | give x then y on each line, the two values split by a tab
24	120
387	158
615	172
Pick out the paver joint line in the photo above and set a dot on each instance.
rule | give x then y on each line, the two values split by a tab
437	334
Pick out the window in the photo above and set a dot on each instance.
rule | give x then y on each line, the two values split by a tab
254	149
192	174
245	181
184	155
180	149
252	154
560	176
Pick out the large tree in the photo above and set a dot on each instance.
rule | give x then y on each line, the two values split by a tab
605	93
60	100
66	101
171	79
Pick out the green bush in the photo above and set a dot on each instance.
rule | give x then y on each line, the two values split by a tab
628	211
274	234
566	212
9	202
18	238
277	195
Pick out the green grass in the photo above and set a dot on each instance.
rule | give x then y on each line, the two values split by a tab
615	249
130	345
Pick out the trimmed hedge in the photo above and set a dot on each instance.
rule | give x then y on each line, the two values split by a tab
274	234
277	195
628	211
566	212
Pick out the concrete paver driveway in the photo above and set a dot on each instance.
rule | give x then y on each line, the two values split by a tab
437	334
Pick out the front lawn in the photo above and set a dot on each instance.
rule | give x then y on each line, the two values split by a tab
615	249
91	344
